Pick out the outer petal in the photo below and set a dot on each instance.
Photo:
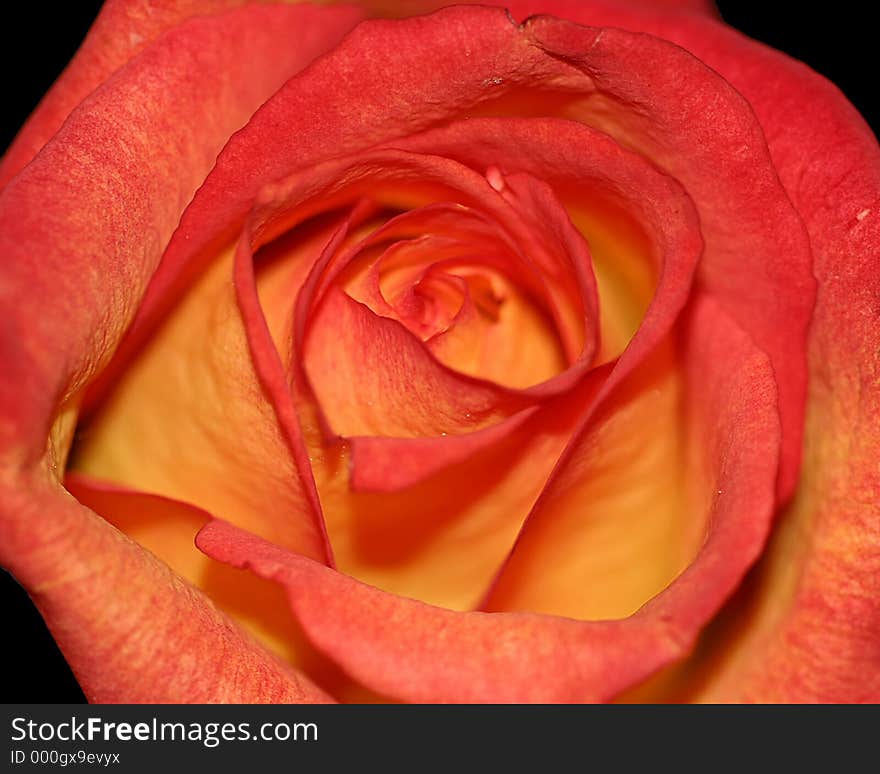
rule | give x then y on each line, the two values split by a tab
757	258
82	229
808	627
395	8
132	630
825	646
167	528
122	30
810	623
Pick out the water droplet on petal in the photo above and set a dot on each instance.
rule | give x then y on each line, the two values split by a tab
495	178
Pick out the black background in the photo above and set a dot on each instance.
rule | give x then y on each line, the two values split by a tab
831	38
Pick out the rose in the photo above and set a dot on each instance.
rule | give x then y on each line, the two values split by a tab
807	627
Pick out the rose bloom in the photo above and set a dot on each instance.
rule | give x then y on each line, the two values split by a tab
485	355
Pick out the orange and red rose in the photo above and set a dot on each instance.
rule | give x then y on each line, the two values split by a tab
478	367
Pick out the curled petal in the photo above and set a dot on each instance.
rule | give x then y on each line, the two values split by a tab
122	29
807	627
417	652
130	628
84	225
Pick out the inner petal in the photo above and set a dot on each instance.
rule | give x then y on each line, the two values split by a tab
467	309
188	420
433	537
622	527
500	335
529	289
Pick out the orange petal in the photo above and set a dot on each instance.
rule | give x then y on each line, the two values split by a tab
417	652
131	629
167	529
121	31
159	432
84	225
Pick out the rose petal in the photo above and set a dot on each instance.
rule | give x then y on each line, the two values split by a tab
338	502
631	502
421	653
83	227
131	629
190	419
824	645
652	243
624	515
757	260
351	83
427	654
389	464
122	29
441	533
743	198
366	385
397	8
808	627
373	377
167	528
